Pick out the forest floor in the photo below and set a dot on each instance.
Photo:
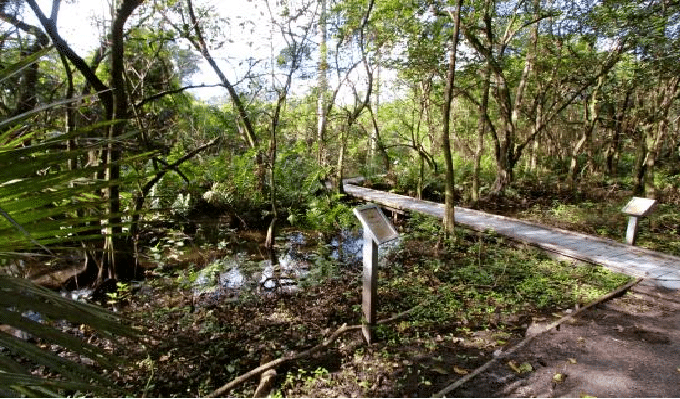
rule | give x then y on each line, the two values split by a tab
469	303
625	347
628	346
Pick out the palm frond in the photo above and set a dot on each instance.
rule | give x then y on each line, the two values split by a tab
42	203
20	297
25	62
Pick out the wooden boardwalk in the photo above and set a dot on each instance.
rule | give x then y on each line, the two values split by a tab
661	269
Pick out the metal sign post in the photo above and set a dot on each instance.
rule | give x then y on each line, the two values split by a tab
377	230
635	209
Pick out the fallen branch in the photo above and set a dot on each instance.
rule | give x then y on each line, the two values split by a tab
252	373
526	340
274	363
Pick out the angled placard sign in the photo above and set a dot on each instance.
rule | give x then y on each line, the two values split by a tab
376	224
639	207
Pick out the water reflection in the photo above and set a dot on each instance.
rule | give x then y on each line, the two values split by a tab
303	259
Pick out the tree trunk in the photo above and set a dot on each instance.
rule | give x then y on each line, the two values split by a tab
620	125
591	116
449	183
504	175
322	71
339	166
640	167
114	101
421	176
119	260
481	131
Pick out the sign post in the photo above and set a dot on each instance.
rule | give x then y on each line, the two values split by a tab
377	230
635	209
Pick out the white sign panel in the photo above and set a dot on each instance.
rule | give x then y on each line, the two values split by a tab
639	207
376	223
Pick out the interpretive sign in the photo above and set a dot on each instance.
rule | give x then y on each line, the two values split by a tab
639	207
373	220
377	230
635	209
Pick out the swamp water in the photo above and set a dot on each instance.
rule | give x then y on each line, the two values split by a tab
236	266
302	260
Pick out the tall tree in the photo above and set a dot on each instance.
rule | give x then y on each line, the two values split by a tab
356	13
322	89
449	204
297	46
114	101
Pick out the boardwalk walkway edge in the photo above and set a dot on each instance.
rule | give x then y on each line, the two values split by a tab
661	269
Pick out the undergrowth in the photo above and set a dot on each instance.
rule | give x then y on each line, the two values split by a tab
471	298
482	280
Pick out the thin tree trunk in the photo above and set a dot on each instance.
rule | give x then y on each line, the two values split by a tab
339	166
481	131
115	248
322	116
358	108
591	116
449	184
640	167
619	126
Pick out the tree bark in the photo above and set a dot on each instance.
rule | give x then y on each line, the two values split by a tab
620	124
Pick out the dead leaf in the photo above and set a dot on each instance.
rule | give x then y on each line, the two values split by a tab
572	360
460	370
514	367
164	358
558	378
440	370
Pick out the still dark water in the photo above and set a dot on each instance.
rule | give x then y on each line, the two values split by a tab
302	259
237	267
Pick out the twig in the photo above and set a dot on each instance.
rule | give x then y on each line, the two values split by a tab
526	340
274	363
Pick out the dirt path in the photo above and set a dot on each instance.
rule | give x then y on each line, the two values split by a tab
626	347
